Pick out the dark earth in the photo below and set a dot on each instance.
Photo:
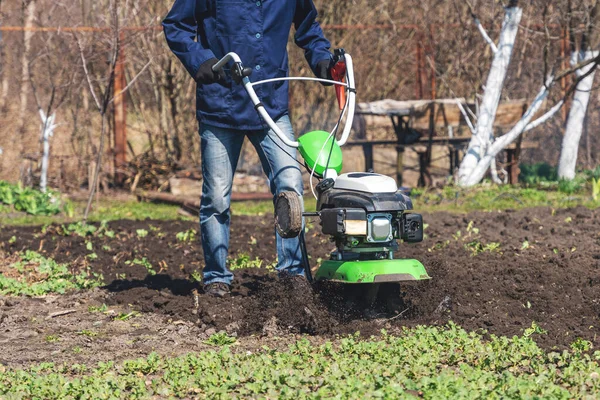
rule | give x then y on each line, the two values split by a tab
492	271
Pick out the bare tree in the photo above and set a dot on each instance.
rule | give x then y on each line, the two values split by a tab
589	50
52	80
484	148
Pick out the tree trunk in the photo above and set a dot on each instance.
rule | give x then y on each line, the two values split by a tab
574	128
491	97
27	34
47	131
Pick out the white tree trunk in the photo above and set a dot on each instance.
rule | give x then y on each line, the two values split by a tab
491	96
570	143
47	131
523	125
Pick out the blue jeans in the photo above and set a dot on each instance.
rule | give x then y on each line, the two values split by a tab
221	149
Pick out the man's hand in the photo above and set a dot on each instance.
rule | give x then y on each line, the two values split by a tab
206	75
324	71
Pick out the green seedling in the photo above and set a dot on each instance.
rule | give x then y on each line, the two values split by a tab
596	189
126	316
92	256
79	229
52	338
476	247
196	276
38	275
141	233
89	246
534	329
187	236
243	261
88	333
12	239
143	262
220	339
103	308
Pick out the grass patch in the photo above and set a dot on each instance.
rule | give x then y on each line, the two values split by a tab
487	197
32	274
432	362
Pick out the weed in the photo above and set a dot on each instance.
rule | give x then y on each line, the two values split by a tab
187	236
77	350
126	316
534	329
436	362
476	247
196	276
103	308
141	233
143	262
38	275
52	338
596	189
243	261
220	339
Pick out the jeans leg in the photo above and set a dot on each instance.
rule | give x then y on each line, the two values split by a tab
282	169
220	153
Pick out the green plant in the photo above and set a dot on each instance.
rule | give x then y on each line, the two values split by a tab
196	276
126	316
476	247
143	262
103	308
79	228
425	361
29	200
536	173
220	339
596	189
534	329
243	261
52	338
141	233
38	275
570	186
187	236
88	333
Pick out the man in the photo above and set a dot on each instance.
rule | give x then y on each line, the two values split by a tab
257	31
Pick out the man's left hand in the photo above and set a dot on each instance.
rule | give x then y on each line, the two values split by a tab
324	71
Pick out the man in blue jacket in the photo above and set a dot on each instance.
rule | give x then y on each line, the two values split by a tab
200	32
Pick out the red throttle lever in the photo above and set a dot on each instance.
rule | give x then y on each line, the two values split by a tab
338	73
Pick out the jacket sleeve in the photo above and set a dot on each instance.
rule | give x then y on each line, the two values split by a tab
309	35
181	27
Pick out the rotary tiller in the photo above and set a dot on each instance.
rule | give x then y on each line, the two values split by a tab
364	213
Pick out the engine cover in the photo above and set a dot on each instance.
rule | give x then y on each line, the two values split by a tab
366	182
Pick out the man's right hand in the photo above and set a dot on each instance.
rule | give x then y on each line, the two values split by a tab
206	75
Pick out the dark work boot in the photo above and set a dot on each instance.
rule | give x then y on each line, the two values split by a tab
217	289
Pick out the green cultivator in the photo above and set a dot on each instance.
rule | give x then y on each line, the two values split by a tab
364	213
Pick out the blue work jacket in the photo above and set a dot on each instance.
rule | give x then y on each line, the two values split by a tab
257	30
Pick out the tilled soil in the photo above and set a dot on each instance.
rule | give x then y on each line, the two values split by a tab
497	271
